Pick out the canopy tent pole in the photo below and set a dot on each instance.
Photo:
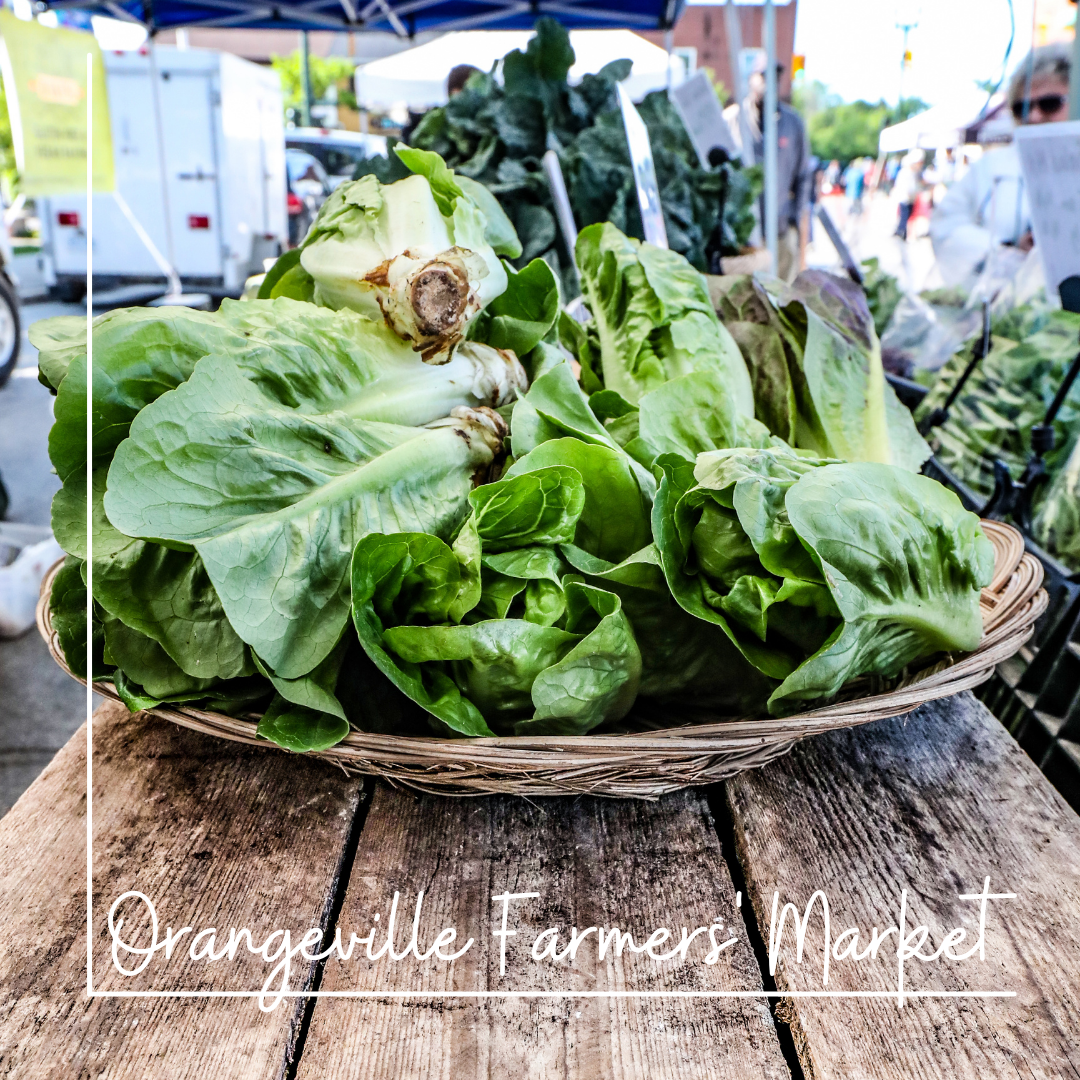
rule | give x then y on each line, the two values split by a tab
1074	82
734	37
305	79
159	134
769	131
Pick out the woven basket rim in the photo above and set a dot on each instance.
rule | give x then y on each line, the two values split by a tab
645	764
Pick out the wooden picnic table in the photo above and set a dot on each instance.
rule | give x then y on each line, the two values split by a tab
222	836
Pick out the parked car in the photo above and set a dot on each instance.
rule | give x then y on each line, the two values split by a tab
308	189
10	334
338	151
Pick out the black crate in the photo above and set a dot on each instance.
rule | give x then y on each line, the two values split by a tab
1036	694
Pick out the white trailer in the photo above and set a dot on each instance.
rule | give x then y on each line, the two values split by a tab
201	164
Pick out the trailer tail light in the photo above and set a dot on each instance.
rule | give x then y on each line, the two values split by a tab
68	217
198	221
293	204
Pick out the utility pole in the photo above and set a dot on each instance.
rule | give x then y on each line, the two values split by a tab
769	132
305	80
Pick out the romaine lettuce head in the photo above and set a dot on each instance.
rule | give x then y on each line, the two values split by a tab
653	319
415	253
820	572
271	473
815	364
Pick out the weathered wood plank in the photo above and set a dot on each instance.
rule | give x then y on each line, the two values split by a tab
597	863
933	804
217	836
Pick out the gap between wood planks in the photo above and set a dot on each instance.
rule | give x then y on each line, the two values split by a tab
724	826
716	797
294	1048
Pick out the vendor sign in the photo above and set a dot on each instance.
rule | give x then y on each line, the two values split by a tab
1050	156
45	79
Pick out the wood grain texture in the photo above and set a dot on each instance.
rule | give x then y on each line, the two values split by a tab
217	836
934	804
595	862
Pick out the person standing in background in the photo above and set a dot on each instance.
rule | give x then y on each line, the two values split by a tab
906	189
854	185
988	205
793	168
458	77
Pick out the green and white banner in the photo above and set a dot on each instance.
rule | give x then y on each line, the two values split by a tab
45	80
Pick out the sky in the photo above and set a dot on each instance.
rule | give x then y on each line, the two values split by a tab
854	46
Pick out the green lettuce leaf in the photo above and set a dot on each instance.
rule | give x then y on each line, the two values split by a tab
273	498
692	415
820	572
846	409
683	661
513	675
300	729
654	319
166	596
58	340
520	317
67	608
556	408
905	563
613	513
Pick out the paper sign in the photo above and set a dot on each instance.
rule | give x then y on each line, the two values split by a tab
641	161
699	109
563	211
1050	157
45	81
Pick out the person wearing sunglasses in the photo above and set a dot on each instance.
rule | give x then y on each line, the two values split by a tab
989	206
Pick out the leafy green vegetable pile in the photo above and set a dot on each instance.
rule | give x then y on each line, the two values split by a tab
810	367
1005	397
352	507
883	293
497	134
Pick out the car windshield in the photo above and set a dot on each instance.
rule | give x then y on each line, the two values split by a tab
338	160
303	166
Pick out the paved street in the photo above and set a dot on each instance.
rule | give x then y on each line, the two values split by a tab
871	233
40	706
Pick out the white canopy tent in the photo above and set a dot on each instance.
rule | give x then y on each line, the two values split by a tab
417	77
938	128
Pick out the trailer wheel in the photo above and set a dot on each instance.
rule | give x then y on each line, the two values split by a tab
69	290
10	330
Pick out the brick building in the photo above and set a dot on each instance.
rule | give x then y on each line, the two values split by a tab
704	28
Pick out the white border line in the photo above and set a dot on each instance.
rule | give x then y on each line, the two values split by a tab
91	993
89	522
273	994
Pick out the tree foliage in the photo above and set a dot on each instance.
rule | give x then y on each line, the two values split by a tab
325	72
847	130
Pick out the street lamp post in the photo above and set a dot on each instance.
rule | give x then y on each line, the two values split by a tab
907	19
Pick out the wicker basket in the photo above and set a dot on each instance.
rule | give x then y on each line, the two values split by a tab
648	765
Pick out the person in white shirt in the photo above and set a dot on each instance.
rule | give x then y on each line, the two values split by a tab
989	205
906	189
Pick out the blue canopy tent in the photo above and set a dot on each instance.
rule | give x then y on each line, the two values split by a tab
403	17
